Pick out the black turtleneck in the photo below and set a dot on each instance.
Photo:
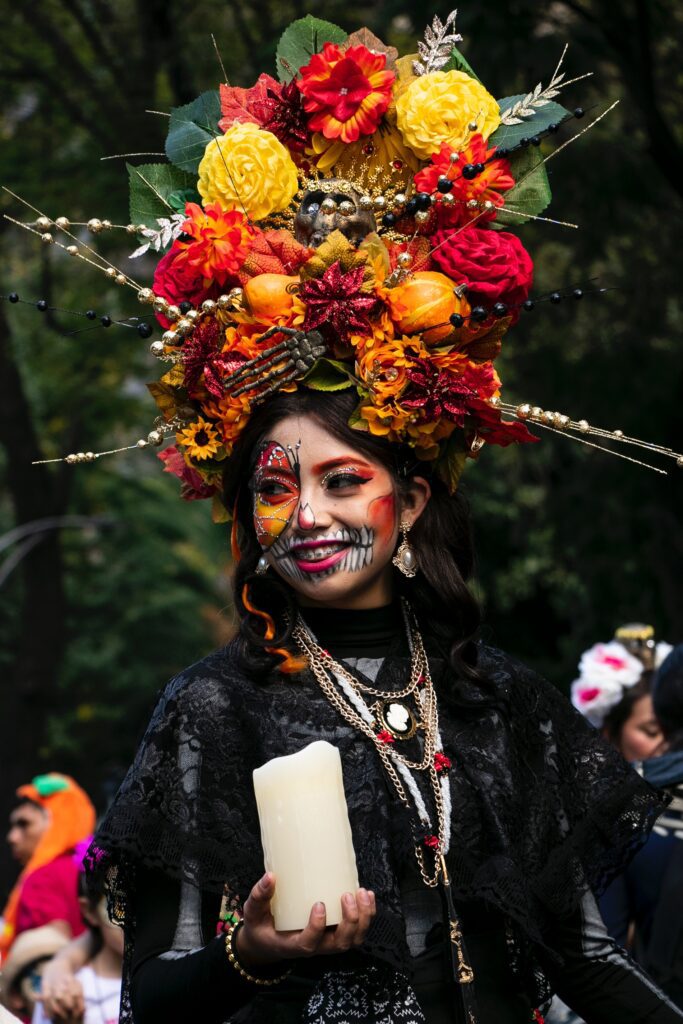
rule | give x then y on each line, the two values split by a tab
356	633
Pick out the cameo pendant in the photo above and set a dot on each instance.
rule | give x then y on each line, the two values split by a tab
397	718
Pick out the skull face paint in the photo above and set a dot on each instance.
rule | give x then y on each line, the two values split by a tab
326	515
276	492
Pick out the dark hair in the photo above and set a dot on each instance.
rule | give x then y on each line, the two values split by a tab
619	715
667	697
441	536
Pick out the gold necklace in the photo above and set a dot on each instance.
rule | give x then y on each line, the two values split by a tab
351	706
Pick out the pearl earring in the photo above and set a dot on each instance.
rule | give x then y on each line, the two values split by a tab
405	558
262	566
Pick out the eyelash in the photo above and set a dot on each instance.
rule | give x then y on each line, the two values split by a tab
350	475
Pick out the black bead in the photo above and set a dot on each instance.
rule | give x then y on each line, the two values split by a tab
423	200
145	330
535	140
501	152
577	293
500	309
469	171
105	321
411	206
524	143
444	184
13	297
579	112
552	128
456	319
528	305
555	297
479	313
41	305
480	168
185	307
389	219
91	314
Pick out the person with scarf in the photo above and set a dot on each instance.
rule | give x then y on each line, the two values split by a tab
45	892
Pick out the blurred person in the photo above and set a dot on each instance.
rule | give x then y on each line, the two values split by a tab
53	815
20	981
643	908
96	1001
613	690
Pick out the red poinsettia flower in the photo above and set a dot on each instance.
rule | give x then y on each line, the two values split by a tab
442	394
488	186
347	92
442	762
201	356
384	736
214	241
335	302
431	842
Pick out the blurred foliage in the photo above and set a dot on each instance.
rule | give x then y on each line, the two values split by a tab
571	543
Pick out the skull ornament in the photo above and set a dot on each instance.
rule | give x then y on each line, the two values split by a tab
312	223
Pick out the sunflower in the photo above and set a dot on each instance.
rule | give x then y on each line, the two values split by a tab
199	439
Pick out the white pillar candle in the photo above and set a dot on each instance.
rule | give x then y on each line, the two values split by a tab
305	833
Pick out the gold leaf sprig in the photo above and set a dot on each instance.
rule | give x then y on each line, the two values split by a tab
438	43
539	97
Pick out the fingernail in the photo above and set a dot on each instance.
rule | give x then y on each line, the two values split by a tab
364	897
319	907
348	899
267	880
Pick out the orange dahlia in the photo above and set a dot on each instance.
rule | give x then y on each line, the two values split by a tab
215	242
487	186
346	92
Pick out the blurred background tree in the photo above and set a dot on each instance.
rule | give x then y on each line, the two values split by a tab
95	615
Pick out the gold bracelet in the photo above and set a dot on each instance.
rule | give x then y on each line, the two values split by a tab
232	957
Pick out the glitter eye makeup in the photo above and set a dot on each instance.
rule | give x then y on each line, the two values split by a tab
276	492
347	476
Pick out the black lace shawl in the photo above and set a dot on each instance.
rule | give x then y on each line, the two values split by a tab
543	809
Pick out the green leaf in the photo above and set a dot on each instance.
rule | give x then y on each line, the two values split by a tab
451	461
190	130
509	136
530	195
300	41
181	197
457	62
328	375
151	189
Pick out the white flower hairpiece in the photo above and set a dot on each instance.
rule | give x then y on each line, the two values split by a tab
605	671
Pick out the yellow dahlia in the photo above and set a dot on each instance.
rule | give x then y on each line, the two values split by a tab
445	107
249	169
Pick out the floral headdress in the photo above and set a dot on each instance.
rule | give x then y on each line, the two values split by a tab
345	225
606	671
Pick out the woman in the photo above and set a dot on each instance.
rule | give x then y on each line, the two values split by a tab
333	303
322	507
614	690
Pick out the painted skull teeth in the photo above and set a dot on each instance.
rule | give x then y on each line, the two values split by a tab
359	554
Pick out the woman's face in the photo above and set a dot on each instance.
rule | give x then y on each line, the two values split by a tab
327	516
641	736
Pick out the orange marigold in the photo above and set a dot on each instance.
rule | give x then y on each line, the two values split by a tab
383	368
347	92
230	417
218	241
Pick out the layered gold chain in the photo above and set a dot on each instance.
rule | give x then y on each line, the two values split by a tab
325	668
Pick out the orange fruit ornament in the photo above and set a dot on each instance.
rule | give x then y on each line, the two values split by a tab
423	304
268	298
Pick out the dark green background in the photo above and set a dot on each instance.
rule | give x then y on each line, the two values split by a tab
571	543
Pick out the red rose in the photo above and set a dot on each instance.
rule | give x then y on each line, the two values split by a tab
493	264
177	282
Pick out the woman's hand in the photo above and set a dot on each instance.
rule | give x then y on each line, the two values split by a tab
259	943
